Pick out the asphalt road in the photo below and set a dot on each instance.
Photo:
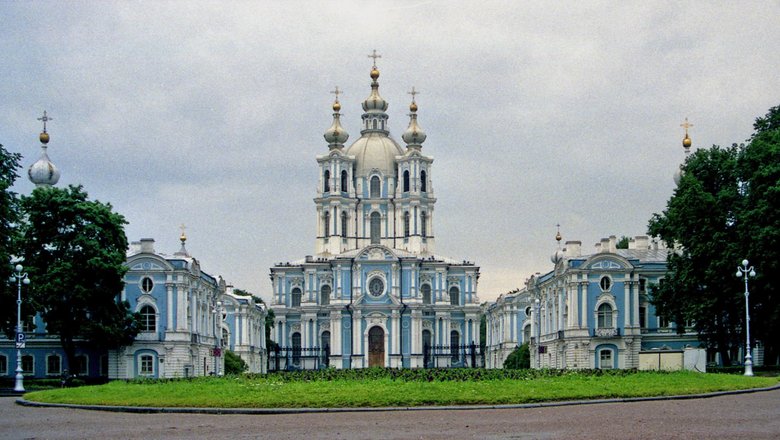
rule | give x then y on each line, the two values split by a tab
744	416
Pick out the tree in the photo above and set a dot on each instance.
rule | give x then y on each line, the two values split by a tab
726	208
75	249
519	358
622	243
234	364
9	240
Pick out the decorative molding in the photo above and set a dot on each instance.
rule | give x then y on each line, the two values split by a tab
606	265
451	281
454	325
297	282
325	279
325	326
427	324
425	278
295	327
605	332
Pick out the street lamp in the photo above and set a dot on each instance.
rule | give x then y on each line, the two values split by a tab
747	272
538	307
18	277
218	334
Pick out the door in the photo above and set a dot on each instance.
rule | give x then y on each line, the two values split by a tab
376	347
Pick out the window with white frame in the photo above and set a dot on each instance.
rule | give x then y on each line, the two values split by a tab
344	181
605	359
147	285
146	365
605	283
326	181
295	297
295	339
455	345
325	295
148	319
375	187
423	224
423	181
527	333
343	224
376	227
406	181
604	316
454	296
326	224
406	224
643	316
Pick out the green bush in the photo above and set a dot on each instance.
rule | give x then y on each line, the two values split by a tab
519	358
233	363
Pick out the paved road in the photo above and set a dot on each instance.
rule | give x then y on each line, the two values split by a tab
745	416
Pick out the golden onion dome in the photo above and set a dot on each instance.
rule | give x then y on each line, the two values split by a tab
336	106
558	236
374	73
44	137
413	107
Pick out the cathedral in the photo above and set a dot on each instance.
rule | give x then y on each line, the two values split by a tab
375	293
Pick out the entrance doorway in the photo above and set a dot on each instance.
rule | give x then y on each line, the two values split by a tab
376	347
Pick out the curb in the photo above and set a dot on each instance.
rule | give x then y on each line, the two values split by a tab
261	411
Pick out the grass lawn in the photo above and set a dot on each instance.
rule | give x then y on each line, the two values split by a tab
276	391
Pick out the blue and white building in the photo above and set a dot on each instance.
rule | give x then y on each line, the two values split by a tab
375	293
590	311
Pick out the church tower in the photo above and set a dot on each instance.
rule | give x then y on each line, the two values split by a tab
374	191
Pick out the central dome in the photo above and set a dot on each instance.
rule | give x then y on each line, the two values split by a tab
375	151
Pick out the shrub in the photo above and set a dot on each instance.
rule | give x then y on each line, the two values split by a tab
519	358
233	363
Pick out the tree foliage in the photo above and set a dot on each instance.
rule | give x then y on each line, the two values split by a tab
9	238
234	364
725	208
75	249
519	358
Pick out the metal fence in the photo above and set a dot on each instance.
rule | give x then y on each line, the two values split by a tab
449	356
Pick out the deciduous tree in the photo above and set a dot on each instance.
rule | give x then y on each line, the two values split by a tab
75	250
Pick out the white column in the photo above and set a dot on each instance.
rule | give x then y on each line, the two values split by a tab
626	301
169	305
583	287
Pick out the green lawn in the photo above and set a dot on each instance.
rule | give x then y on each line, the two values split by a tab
276	391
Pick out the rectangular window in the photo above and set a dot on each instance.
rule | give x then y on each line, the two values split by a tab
147	366
643	317
28	365
53	365
605	359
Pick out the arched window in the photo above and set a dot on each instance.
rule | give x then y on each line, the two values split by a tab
374	124
605	316
406	224
455	346
406	181
375	187
326	181
148	319
376	227
423	224
296	348
423	181
343	223
344	184
325	295
326	224
295	297
325	346
527	334
454	296
426	293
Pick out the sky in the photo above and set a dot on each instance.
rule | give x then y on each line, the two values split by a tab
211	114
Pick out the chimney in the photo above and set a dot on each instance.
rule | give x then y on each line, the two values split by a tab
573	248
147	245
135	247
612	243
605	245
639	242
598	247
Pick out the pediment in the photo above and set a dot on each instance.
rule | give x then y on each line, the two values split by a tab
376	253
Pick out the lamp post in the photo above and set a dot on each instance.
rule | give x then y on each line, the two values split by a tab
218	335
747	272
537	311
18	277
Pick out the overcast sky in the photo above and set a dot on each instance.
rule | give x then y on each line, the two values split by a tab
211	114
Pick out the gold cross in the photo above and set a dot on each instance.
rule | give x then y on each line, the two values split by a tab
686	125
413	93
44	118
337	92
374	55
